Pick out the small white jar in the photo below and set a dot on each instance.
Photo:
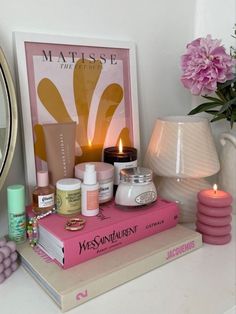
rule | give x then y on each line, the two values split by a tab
136	187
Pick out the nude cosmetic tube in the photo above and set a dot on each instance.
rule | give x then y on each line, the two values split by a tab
60	148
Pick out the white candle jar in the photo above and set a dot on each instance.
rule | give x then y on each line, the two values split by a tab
136	187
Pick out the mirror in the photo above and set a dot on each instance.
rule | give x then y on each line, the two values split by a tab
8	118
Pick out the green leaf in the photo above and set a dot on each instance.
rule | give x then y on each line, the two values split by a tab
214	99
227	105
213	112
222	94
204	107
219	117
233	117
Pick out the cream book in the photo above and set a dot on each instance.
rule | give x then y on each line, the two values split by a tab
72	287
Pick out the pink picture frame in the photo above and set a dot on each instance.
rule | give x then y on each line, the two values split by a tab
89	81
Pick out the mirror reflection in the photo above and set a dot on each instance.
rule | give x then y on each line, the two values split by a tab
8	118
4	120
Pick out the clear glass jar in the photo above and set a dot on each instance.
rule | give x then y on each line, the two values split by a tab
136	187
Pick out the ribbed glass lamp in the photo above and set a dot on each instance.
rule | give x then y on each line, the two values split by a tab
182	152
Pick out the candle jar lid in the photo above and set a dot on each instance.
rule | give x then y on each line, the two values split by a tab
136	175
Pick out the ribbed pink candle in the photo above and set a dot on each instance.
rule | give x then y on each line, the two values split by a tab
214	211
213	216
214	198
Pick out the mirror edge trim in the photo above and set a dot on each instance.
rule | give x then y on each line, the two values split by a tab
13	118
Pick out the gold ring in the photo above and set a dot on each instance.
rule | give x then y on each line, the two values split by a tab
75	224
74	221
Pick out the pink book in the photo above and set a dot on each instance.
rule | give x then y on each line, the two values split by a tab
111	229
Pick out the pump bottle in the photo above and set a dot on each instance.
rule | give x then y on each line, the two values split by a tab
89	192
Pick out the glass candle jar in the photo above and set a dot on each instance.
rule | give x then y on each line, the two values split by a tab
136	187
120	158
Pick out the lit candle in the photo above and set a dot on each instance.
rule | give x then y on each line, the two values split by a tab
215	197
213	216
121	157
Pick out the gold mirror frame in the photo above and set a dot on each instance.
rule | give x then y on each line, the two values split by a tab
11	118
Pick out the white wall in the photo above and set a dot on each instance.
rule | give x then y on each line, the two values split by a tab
160	29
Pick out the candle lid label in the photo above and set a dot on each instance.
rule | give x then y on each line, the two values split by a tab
122	165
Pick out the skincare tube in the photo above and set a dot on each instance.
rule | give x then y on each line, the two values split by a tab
60	148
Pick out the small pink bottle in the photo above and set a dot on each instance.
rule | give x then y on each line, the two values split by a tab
43	194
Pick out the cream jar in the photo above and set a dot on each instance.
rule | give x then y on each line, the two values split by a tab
105	175
136	187
68	196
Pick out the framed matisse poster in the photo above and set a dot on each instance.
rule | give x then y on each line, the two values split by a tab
89	81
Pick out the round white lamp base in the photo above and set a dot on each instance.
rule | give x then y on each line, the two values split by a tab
184	193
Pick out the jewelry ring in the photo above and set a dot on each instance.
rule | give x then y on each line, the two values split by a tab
75	224
74	221
70	228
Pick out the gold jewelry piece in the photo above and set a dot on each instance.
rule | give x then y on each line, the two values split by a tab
75	224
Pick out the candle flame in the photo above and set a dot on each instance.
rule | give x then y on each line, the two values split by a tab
215	188
120	146
89	143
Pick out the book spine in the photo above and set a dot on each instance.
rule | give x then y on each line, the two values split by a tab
114	279
91	245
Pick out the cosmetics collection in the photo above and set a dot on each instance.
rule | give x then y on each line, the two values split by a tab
79	189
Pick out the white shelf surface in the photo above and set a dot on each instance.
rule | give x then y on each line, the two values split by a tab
202	282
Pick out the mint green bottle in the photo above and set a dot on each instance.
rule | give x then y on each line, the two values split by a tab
16	213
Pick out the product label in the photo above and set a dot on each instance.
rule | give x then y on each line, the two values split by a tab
45	200
17	227
122	165
105	191
146	197
92	200
68	202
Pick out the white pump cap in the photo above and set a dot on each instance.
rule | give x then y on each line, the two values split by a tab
90	175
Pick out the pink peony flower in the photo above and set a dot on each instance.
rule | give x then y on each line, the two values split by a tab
205	64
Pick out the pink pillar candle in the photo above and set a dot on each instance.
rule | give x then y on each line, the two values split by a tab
213	216
214	211
214	221
215	198
216	240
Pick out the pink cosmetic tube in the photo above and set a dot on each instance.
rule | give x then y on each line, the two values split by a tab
60	148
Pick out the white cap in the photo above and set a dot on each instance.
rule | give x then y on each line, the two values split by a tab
68	184
90	175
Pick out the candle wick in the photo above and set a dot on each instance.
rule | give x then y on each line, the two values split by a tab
214	191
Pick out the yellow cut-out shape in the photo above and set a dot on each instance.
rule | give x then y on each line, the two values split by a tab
52	101
39	144
85	78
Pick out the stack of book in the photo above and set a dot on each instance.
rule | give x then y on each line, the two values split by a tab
160	240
